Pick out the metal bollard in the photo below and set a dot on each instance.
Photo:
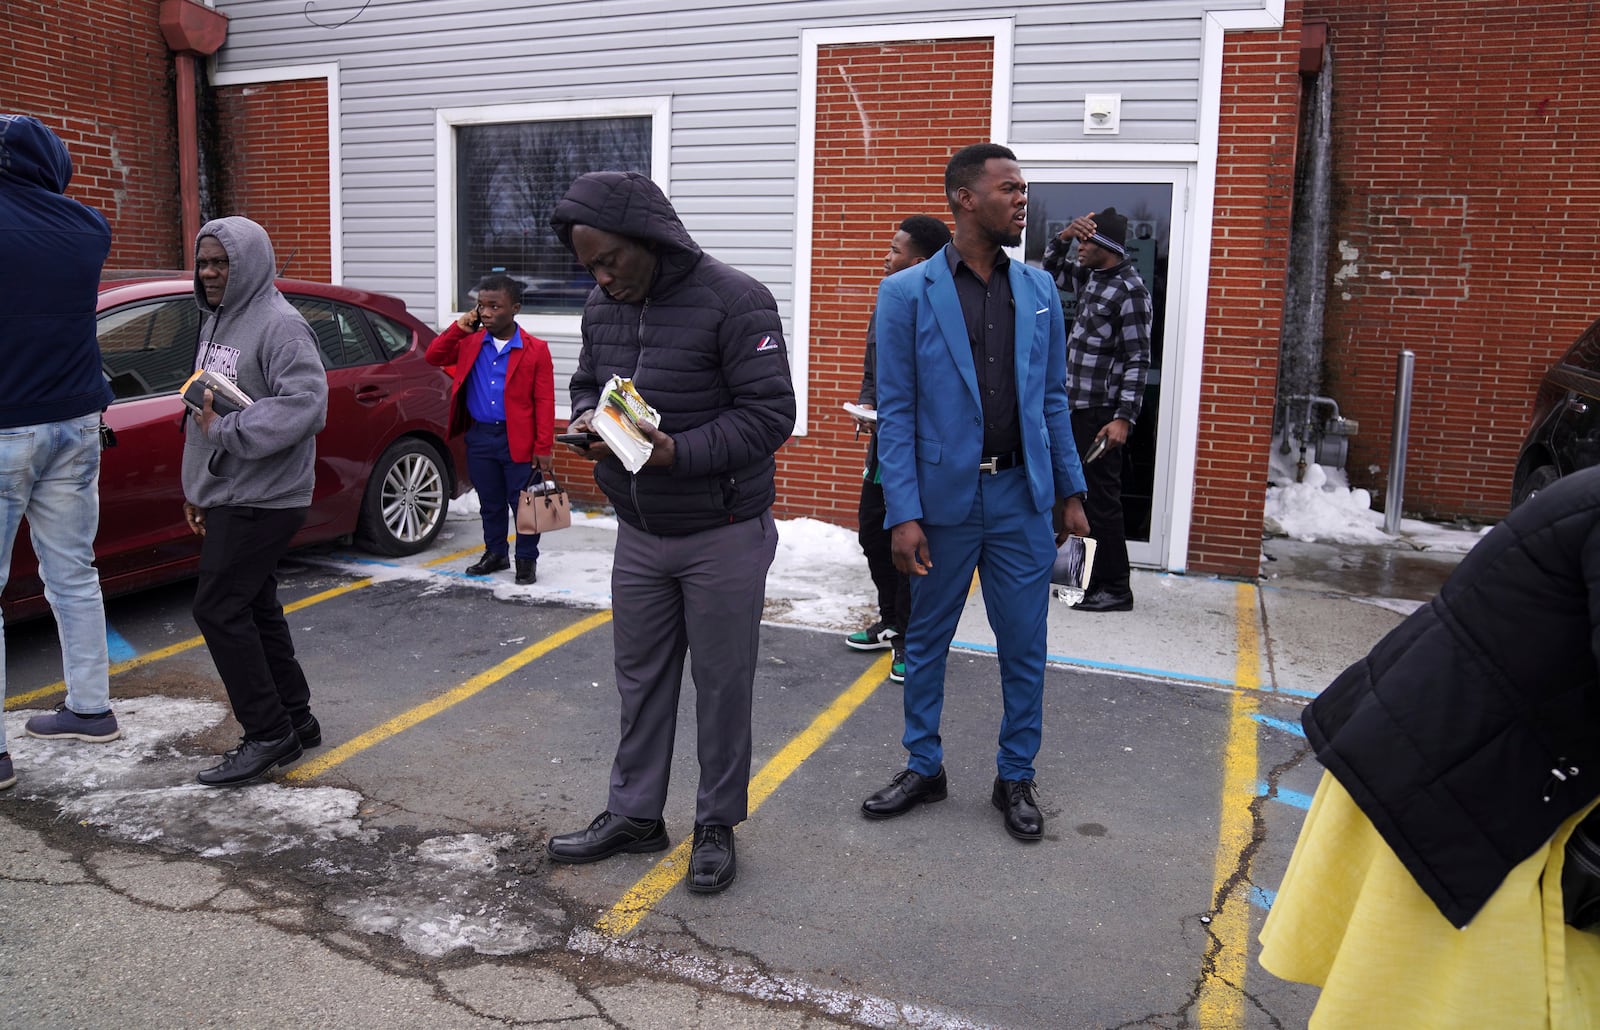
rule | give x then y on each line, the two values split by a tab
1405	371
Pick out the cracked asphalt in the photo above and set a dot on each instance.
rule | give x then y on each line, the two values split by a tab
408	886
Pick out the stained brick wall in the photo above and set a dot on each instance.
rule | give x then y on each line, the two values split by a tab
1466	221
274	136
884	133
1249	260
100	75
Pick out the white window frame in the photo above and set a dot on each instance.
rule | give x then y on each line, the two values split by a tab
658	109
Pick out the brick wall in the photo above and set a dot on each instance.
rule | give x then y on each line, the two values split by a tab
1467	216
100	75
274	136
884	133
1249	260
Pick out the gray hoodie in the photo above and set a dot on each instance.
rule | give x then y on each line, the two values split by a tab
262	456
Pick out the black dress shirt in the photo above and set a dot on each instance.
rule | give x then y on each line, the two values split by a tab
989	312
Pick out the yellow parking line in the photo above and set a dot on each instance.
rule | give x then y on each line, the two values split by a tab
653	886
405	720
23	700
1222	985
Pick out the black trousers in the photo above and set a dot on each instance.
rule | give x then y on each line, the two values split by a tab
1104	506
894	587
236	607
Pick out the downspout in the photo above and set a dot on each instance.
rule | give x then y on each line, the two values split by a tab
192	31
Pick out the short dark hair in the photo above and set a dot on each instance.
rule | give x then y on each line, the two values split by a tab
512	288
927	233
967	164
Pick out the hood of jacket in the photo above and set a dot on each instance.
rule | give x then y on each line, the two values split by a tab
631	205
32	154
251	264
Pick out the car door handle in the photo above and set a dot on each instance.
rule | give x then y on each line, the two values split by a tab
370	394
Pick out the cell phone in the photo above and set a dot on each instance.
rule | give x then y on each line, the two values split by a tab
1098	449
477	321
577	439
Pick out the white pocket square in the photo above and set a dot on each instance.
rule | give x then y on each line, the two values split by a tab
1041	311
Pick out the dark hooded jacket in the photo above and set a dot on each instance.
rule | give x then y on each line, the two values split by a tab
51	252
705	349
1472	730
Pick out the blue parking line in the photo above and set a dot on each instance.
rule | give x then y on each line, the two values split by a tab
117	647
1089	663
1292	798
1280	724
1262	898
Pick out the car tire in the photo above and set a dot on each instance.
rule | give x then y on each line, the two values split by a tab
1537	479
406	501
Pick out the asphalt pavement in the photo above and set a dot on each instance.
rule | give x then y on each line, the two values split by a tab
396	877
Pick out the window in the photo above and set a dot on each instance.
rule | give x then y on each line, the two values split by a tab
509	178
338	332
148	349
393	338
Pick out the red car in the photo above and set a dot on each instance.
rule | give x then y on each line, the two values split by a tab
386	470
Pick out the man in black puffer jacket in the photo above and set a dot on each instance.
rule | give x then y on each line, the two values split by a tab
703	344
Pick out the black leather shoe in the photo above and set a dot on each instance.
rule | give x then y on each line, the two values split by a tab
527	571
906	791
488	563
1015	799
1103	600
609	834
309	730
251	760
711	864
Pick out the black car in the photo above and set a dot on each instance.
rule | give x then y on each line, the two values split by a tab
1564	435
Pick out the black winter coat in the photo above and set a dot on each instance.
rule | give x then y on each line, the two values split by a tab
705	349
1472	730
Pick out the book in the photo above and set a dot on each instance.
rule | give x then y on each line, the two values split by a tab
1069	576
617	421
226	397
857	411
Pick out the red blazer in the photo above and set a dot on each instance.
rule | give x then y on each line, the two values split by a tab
530	389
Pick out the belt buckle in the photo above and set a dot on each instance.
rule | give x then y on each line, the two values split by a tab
990	466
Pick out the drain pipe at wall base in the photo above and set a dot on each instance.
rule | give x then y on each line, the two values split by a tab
192	31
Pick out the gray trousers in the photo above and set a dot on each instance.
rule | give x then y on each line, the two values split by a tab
699	595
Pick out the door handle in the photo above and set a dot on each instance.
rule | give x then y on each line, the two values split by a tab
370	394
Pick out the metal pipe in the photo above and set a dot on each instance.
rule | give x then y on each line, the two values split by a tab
1405	372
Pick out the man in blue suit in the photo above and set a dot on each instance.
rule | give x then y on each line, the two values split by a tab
975	445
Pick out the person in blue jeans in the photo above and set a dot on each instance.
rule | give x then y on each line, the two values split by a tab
52	391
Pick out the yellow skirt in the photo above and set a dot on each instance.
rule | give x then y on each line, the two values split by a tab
1350	919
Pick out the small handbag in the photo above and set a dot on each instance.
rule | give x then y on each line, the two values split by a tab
543	506
1580	875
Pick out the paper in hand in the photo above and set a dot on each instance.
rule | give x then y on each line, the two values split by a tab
1069	576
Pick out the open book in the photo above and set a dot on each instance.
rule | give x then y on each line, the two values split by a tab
226	397
617	421
1069	575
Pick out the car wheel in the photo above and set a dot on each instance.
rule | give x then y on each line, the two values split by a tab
407	499
1533	482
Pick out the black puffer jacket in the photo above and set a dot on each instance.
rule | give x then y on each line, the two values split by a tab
705	349
1472	730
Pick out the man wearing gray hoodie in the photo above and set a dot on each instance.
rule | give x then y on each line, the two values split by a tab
247	479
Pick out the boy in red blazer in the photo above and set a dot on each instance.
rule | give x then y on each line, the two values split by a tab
503	398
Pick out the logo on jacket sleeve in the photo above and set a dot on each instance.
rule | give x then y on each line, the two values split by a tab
768	342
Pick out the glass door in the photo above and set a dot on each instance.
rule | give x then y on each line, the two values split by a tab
1149	198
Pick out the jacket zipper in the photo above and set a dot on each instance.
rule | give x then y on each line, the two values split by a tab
633	477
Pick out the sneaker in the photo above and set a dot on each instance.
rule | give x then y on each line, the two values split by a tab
876	637
65	724
7	776
897	668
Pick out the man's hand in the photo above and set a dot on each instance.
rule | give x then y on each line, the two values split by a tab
195	517
910	549
1080	228
595	449
664	451
1115	432
545	462
865	425
1073	521
207	414
465	322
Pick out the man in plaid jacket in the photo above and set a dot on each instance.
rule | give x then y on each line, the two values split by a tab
1108	359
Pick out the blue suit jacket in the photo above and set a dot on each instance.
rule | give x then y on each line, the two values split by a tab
930	421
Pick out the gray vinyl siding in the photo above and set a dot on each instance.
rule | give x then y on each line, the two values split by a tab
732	70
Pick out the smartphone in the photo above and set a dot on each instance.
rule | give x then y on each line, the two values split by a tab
578	439
1098	449
477	320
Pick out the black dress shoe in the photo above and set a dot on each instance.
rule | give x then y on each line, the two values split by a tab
309	730
1103	600
906	791
609	834
711	863
1015	799
488	563
527	571
251	760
